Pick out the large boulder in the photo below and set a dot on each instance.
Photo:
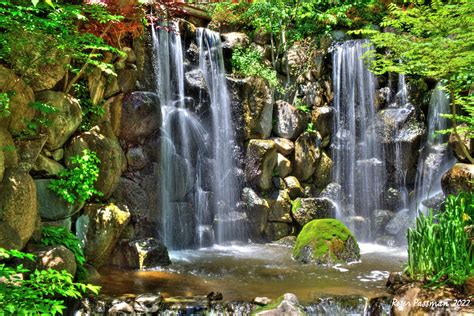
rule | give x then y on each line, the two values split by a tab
294	187
322	117
99	229
18	208
196	87
306	209
458	179
257	210
284	146
283	167
55	257
140	116
51	206
140	254
279	204
322	174
22	96
28	150
112	158
8	153
260	162
64	121
233	40
307	154
289	121
326	241
47	166
254	97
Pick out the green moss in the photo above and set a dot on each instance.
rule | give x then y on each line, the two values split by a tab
295	205
325	237
268	307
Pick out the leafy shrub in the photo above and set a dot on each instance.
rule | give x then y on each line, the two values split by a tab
4	104
310	127
249	62
25	292
439	249
90	112
53	236
77	183
303	107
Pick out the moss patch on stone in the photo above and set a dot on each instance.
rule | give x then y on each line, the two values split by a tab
326	241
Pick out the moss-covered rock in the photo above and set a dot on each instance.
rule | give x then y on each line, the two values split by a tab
326	241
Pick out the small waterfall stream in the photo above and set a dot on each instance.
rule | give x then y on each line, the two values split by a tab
358	157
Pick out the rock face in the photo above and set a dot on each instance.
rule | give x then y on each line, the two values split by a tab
99	228
326	241
322	117
457	179
254	97
307	154
51	206
112	158
289	121
306	209
261	159
257	212
140	254
8	154
322	174
140	116
64	121
20	109
18	208
283	167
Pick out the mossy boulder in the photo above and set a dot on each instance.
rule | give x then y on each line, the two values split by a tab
326	241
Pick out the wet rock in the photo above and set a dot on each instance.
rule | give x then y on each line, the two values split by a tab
393	199
127	78
261	300
460	178
257	211
196	87
147	303
140	116
399	224
339	305
254	97
307	154
130	193
108	150
214	296
284	146
64	122
283	167
140	254
55	257
136	158
20	109
288	241
279	204
18	208
332	191
322	174
294	187
360	225
307	209
380	220
120	308
436	202
289	121
277	230
326	241
385	240
457	146
260	160
288	304
322	117
99	228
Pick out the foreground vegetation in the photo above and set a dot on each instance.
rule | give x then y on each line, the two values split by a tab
440	247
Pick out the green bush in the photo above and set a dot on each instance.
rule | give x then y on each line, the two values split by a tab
90	112
249	63
53	236
77	183
4	104
439	249
25	292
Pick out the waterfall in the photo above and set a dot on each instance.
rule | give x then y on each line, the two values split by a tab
358	156
228	220
435	157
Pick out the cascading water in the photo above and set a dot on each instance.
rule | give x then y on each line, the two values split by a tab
435	157
358	156
228	221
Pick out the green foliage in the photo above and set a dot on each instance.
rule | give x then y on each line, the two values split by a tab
310	127
5	104
90	112
303	107
77	183
53	236
439	249
295	205
40	121
24	292
431	40
249	62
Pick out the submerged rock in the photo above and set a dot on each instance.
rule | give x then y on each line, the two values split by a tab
326	241
288	304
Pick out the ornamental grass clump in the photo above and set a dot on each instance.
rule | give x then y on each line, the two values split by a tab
439	247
